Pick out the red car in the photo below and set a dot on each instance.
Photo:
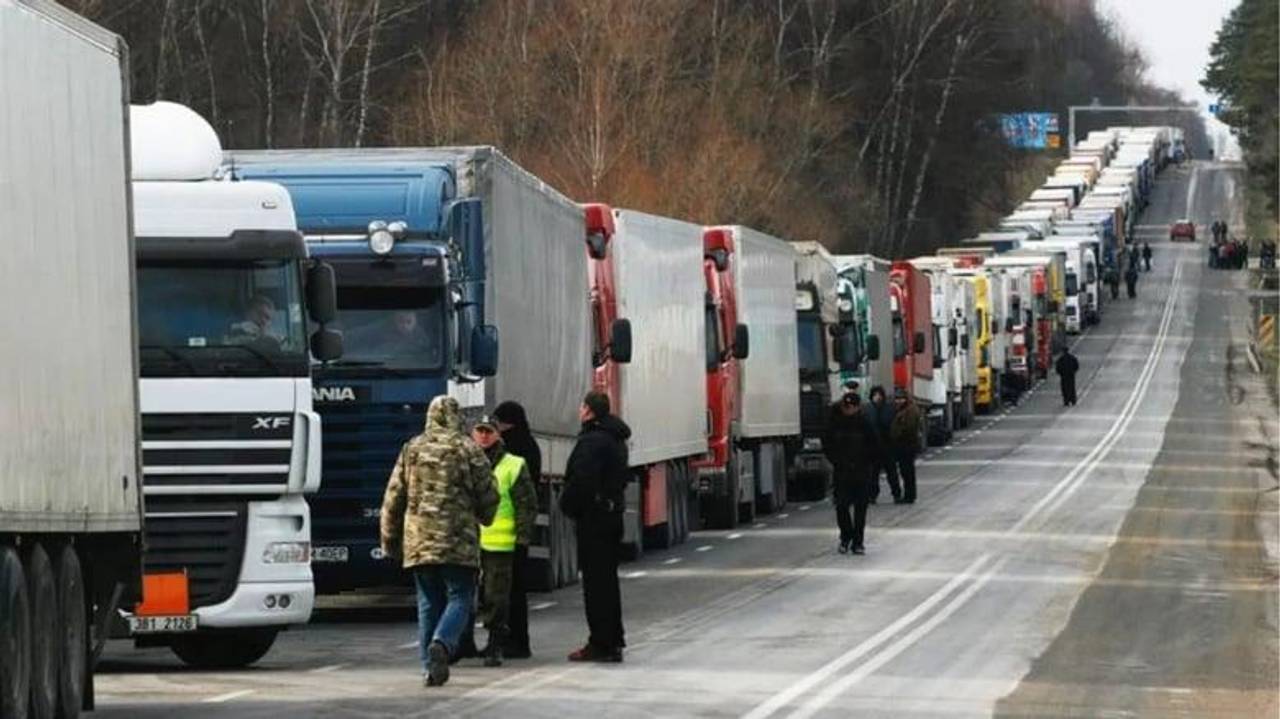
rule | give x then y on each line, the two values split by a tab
1185	229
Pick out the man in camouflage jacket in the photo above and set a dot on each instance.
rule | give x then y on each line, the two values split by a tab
439	493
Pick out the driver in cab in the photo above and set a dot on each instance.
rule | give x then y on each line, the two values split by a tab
256	325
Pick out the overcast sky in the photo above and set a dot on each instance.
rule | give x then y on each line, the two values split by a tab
1174	36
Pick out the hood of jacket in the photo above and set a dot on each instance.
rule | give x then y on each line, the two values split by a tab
444	418
608	423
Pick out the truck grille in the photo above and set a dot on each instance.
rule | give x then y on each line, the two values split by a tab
241	452
203	536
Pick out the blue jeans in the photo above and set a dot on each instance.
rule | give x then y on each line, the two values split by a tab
445	595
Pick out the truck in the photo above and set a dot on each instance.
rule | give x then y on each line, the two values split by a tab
829	344
948	400
453	245
70	475
986	397
1016	338
230	442
646	278
1082	276
910	296
864	288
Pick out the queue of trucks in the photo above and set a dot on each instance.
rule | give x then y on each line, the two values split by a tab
213	384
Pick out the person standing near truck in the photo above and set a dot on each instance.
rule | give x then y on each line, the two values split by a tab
904	436
1113	281
594	480
880	418
1131	279
1146	255
1066	367
512	527
439	493
513	423
850	446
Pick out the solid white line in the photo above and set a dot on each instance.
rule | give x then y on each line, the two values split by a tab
826	671
886	655
219	699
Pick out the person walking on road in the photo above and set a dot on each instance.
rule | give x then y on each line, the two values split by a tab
1113	281
850	446
595	477
879	415
1146	255
1067	366
512	527
904	436
439	493
513	423
1131	280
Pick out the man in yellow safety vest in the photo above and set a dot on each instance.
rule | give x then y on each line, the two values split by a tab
512	525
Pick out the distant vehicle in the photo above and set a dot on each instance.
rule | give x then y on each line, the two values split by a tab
1184	228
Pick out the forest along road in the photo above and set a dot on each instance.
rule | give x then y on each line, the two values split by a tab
1103	560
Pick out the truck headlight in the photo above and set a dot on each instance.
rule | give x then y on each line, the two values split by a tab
813	443
287	553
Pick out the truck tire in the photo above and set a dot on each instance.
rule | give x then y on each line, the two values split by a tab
45	659
722	511
15	638
74	634
224	650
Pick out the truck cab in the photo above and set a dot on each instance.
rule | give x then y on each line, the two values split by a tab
910	293
865	295
405	253
230	442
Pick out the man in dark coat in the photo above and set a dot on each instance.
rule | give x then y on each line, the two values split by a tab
904	436
595	478
850	446
879	417
1146	255
1066	367
513	423
1131	280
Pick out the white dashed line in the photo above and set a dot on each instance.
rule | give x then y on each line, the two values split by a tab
219	699
784	515
704	548
408	645
636	575
336	667
736	535
759	525
541	605
804	508
673	560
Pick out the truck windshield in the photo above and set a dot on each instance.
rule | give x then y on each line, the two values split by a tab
899	338
812	352
221	319
1073	284
399	328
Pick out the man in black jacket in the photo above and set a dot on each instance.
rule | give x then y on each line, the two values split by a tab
595	477
879	418
513	423
1066	367
850	446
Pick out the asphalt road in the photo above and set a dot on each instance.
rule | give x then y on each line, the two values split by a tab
1113	559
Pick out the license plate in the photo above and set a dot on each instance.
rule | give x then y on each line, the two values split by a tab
330	554
163	625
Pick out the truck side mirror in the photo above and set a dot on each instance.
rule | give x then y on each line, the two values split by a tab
597	246
620	341
484	351
952	336
995	326
1009	325
322	293
845	345
937	361
326	344
873	347
741	342
919	345
964	343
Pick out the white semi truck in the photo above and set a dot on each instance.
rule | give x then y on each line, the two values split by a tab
230	444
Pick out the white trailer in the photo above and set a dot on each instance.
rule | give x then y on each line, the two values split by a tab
946	400
769	418
657	264
70	475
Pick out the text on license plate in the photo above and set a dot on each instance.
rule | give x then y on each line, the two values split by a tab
158	624
329	554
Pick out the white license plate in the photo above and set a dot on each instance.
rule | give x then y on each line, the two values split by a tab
163	625
330	554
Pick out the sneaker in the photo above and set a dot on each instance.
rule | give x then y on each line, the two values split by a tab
859	549
437	664
589	653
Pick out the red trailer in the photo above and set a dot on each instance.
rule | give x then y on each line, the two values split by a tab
910	298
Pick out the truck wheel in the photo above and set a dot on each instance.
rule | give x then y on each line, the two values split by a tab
224	650
722	512
15	638
45	657
74	635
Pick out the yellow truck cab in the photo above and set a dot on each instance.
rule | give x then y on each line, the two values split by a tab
984	395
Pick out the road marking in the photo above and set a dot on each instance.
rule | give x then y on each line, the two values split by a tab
826	671
736	535
636	574
804	508
784	515
673	560
336	667
760	525
704	548
221	698
540	606
408	645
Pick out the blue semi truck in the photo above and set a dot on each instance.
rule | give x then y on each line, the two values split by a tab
433	250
